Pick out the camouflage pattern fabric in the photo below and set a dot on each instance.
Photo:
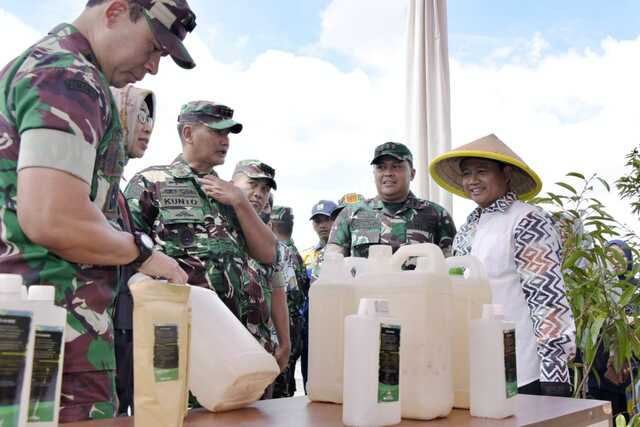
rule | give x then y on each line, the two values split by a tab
394	149
285	385
204	236
414	221
56	86
257	305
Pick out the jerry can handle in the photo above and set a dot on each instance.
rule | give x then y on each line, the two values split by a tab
356	265
434	262
471	263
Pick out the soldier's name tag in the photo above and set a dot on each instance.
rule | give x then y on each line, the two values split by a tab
366	223
180	196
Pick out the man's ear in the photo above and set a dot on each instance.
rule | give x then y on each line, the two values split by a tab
114	12
413	172
186	134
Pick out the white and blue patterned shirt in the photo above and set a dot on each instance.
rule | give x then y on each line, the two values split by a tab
520	249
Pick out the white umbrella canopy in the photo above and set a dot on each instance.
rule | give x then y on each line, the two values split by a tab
428	105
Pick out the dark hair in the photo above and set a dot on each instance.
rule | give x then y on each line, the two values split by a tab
135	9
284	228
149	101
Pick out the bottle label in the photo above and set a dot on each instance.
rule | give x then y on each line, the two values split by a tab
166	353
44	376
389	363
14	339
510	372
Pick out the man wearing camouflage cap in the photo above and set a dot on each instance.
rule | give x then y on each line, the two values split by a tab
62	159
265	308
395	216
204	222
282	226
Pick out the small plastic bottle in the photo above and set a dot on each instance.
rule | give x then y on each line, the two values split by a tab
492	367
16	351
48	356
371	395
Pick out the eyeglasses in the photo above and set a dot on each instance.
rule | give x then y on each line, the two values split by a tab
145	118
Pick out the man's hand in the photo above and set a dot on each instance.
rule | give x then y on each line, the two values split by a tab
222	191
159	265
282	357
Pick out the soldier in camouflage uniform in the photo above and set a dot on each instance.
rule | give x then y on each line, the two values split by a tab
282	226
204	222
395	217
267	281
62	158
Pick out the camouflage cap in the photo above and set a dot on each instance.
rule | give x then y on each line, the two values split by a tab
393	149
349	199
323	207
255	169
282	214
216	116
170	21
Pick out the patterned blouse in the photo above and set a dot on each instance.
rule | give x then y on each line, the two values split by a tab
536	248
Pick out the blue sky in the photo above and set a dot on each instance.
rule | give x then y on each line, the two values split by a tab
239	30
319	83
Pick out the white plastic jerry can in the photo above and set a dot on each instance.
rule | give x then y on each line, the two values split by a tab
48	357
492	369
372	350
228	368
470	291
421	299
16	352
330	301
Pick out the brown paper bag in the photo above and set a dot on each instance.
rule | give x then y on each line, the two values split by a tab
161	332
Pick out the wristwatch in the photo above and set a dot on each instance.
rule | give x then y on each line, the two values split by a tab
144	243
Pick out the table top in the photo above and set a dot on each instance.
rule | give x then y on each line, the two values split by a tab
300	412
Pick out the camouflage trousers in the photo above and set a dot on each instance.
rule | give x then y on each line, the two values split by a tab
88	396
285	383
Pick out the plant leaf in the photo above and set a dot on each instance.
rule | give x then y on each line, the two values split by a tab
567	187
576	175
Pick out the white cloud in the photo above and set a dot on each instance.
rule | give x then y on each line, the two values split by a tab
318	124
371	31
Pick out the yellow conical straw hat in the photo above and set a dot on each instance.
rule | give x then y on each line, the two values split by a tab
445	169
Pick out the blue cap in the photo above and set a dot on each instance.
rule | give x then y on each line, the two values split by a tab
323	207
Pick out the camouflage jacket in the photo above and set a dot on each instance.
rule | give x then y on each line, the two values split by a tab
312	259
296	297
57	85
204	236
263	279
415	221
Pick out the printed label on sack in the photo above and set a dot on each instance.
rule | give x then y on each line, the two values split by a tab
14	339
389	363
166	352
510	372
44	377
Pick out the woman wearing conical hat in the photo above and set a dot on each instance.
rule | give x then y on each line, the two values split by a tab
520	249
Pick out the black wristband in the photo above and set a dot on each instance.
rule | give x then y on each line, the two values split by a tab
145	248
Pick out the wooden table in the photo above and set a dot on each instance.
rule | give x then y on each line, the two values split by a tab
300	412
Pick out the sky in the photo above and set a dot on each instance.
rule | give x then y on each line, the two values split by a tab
319	83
